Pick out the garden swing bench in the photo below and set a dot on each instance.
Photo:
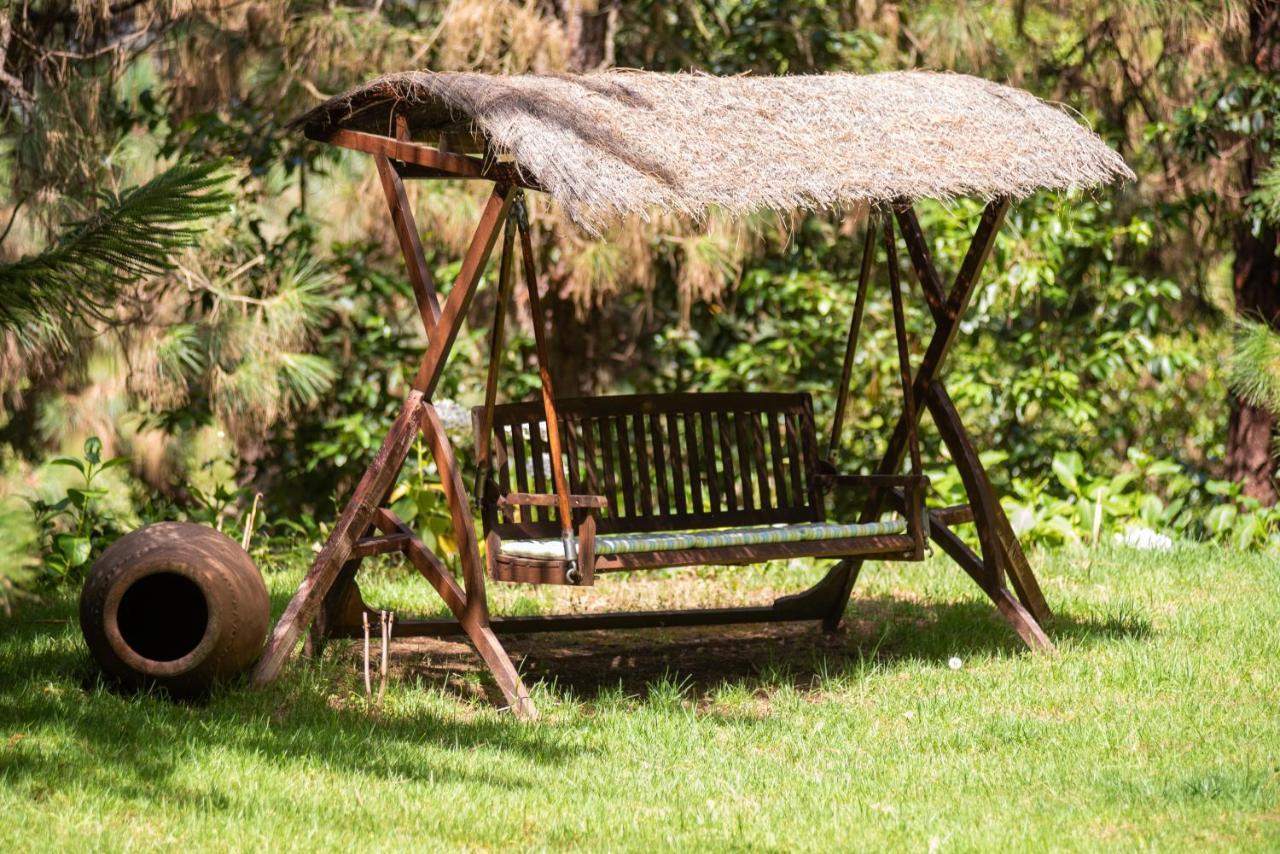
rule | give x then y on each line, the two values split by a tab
569	488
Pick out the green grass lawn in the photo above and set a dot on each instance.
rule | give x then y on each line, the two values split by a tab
1156	725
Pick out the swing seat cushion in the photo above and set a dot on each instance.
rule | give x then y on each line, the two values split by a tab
620	544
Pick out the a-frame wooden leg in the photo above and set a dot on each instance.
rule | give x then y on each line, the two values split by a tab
1001	551
474	615
475	625
377	481
1013	558
947	313
987	576
341	604
352	523
990	516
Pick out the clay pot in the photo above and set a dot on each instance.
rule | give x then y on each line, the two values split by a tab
174	604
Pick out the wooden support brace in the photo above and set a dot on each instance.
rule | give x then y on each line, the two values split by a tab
415	260
575	572
1000	548
1011	555
415	416
351	525
475	625
851	343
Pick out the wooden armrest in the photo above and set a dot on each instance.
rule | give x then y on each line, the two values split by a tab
549	499
587	552
873	480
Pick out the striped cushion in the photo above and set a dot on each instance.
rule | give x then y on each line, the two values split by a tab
621	544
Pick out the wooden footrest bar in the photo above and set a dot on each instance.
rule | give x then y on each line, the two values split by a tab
445	627
958	514
369	546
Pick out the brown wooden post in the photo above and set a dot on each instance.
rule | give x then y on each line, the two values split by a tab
415	260
464	289
851	343
484	429
474	615
1010	553
909	415
574	574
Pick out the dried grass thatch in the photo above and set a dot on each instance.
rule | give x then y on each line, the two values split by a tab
623	142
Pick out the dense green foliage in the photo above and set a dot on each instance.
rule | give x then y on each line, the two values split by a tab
1153	728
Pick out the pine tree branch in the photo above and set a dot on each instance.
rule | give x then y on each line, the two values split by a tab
133	235
1265	198
1255	365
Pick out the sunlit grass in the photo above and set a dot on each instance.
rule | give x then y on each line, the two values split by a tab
1154	726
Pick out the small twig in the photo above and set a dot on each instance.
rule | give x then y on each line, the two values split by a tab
368	687
312	90
194	281
13	216
244	268
248	525
388	619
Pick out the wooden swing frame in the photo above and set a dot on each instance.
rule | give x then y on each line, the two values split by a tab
328	599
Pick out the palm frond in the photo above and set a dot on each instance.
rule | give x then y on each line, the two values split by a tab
133	234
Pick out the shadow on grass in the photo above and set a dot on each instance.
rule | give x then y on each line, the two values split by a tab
876	632
145	746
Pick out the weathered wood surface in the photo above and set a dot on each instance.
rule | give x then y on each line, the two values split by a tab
659	465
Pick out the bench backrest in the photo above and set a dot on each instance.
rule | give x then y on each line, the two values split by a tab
664	461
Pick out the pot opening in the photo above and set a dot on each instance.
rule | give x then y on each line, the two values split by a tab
163	616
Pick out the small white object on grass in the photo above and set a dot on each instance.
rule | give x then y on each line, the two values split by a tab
1144	539
954	662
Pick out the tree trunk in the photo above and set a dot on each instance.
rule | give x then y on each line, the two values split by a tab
575	335
1257	283
589	27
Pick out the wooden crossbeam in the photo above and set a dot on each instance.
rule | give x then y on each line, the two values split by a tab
433	161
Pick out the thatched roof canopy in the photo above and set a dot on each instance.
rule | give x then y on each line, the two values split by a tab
612	144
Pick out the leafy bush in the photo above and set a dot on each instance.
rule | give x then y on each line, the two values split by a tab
75	528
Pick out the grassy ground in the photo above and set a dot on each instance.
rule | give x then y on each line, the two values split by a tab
1156	725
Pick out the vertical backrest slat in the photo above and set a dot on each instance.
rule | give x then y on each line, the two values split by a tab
591	466
758	454
709	462
794	464
744	459
644	475
520	462
677	462
502	464
659	463
628	483
809	446
694	458
608	461
729	481
537	459
779	461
